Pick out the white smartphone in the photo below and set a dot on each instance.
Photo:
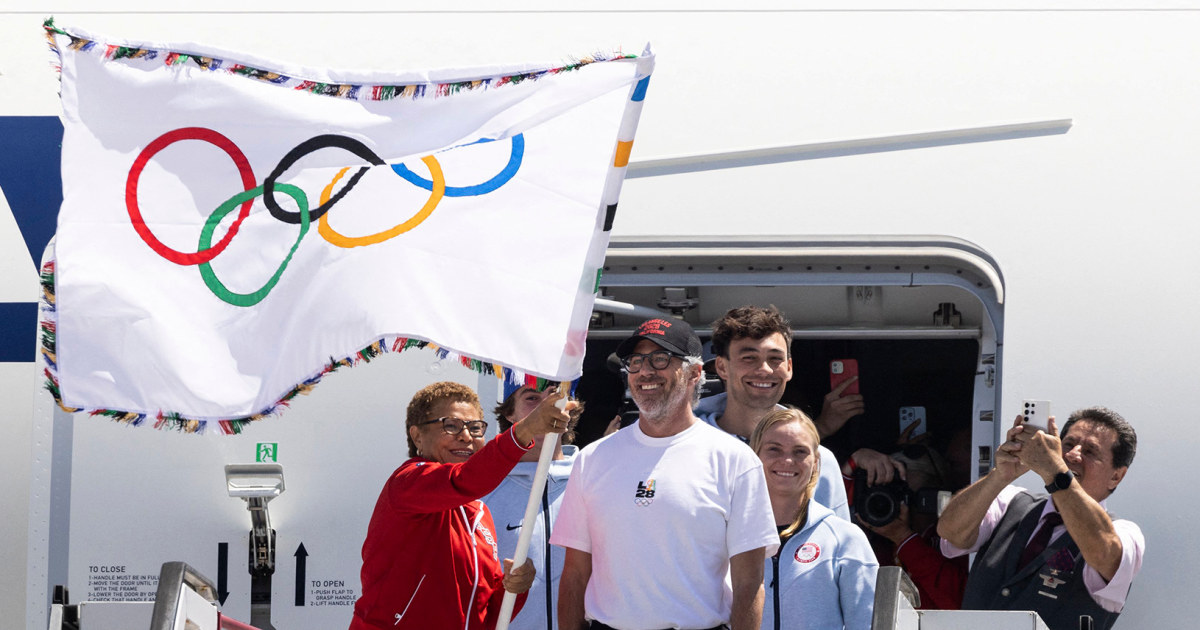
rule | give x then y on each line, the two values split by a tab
1037	414
910	416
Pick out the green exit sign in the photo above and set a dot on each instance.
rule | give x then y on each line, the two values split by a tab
267	452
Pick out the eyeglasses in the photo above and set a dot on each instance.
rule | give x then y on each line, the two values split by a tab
453	426
659	360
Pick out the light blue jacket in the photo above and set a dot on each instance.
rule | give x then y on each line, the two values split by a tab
823	577
830	492
507	504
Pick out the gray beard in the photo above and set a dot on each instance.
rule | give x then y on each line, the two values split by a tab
659	410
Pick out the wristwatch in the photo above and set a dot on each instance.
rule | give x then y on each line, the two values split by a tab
1062	481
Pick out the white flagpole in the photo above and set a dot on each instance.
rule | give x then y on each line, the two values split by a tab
531	510
612	190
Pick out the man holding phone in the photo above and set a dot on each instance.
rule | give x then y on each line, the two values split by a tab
1062	556
844	401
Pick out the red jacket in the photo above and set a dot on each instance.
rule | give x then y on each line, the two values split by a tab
940	580
430	558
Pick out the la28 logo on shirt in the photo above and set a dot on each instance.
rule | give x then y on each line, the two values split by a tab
644	495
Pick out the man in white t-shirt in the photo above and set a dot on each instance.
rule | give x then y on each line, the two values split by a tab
666	524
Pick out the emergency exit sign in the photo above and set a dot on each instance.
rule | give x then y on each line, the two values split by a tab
267	452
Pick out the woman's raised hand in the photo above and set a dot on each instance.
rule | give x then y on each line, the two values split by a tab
545	418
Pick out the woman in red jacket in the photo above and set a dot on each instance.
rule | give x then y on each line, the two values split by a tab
430	559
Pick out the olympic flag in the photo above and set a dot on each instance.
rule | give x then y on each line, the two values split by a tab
232	229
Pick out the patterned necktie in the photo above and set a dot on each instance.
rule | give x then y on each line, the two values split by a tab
1038	543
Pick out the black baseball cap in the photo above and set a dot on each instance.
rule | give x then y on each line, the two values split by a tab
674	335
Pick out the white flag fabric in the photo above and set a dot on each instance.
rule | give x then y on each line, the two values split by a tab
232	229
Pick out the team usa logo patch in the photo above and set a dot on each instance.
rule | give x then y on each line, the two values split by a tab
645	493
808	552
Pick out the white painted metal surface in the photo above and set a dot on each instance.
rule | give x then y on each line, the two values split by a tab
1093	229
977	620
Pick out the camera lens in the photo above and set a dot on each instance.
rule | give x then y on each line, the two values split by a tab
881	508
878	505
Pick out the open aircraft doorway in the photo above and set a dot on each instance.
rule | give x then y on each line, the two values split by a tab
922	315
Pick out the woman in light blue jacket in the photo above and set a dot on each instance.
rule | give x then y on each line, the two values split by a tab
824	574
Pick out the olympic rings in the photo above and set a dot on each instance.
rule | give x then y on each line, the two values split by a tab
135	174
514	164
304	216
435	196
304	148
206	271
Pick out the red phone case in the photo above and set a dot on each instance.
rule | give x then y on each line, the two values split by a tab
849	369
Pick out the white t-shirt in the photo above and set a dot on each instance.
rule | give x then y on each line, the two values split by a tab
661	517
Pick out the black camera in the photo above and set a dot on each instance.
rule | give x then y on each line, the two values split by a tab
880	504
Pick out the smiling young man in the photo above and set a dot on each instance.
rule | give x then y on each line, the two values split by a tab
666	523
754	359
1063	555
